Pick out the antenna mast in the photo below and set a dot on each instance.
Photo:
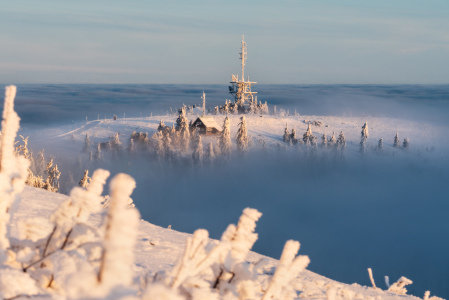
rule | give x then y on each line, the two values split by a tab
243	56
241	89
204	103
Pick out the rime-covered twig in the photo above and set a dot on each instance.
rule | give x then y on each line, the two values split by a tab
399	286
289	267
371	278
121	229
13	169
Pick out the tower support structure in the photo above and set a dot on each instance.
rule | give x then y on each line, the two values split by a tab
241	89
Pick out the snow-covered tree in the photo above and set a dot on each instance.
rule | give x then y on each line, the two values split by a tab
234	109
217	150
180	119
333	139
131	146
364	132
53	174
362	145
87	144
293	138
84	182
242	135
341	141
158	144
286	136
98	154
114	143
210	154
225	138
182	126
380	145
406	144
166	142
308	137
274	110
161	126
197	154
252	109
324	141
397	142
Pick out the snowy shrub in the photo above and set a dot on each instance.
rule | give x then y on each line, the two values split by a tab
219	270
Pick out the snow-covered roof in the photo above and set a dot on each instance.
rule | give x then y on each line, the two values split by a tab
209	122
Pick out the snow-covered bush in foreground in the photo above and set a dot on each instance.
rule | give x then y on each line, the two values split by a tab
219	270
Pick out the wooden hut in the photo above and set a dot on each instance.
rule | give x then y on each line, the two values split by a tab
206	125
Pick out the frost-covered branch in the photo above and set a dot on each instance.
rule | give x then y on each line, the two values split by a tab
13	169
289	267
120	236
399	286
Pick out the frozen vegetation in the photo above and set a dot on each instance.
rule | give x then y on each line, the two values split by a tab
85	245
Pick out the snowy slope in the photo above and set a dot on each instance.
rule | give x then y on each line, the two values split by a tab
158	249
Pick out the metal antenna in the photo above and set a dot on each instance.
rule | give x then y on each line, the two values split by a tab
241	89
204	103
243	56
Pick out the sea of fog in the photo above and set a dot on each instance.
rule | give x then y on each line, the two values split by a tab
387	213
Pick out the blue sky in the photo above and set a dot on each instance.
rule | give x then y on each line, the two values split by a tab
301	41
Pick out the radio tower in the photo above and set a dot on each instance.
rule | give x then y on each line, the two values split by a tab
204	103
241	89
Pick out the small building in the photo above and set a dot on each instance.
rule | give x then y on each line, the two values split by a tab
206	125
